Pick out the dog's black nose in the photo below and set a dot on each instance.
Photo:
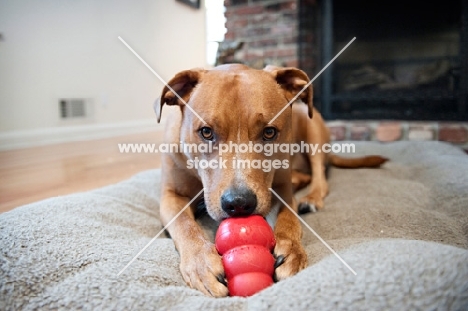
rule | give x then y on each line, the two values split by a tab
238	201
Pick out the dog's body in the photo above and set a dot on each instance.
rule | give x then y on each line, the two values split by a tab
237	103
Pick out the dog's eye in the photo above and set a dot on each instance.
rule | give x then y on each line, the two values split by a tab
269	133
207	133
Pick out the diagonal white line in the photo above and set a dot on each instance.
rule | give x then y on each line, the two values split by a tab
312	230
161	79
159	233
310	82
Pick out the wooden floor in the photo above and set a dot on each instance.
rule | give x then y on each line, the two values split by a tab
29	175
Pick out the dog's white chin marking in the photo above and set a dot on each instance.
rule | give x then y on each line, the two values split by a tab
273	215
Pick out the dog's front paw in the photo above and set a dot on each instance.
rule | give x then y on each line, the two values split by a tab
290	258
202	269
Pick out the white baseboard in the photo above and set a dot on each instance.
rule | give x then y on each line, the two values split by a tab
46	136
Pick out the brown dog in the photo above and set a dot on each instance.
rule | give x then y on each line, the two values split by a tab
316	133
237	103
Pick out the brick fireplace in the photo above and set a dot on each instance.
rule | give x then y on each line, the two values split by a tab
393	75
269	30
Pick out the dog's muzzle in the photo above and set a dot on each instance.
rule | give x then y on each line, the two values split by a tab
238	202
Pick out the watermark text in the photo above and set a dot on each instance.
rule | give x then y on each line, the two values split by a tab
267	149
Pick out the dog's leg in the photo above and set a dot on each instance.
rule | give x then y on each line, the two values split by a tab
317	135
200	265
299	180
289	251
313	201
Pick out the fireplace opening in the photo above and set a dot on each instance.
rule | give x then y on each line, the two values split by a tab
409	60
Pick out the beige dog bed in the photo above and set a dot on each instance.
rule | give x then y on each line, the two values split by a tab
402	228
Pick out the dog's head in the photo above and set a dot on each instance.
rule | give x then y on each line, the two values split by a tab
243	114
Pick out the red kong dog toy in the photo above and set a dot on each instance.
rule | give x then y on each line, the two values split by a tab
246	244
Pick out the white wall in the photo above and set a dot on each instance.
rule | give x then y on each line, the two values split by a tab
55	49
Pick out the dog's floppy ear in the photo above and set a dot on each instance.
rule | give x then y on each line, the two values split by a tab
292	81
178	90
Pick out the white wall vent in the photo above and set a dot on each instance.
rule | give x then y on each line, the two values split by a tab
73	108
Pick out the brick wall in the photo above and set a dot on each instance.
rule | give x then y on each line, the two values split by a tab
388	131
268	28
308	44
